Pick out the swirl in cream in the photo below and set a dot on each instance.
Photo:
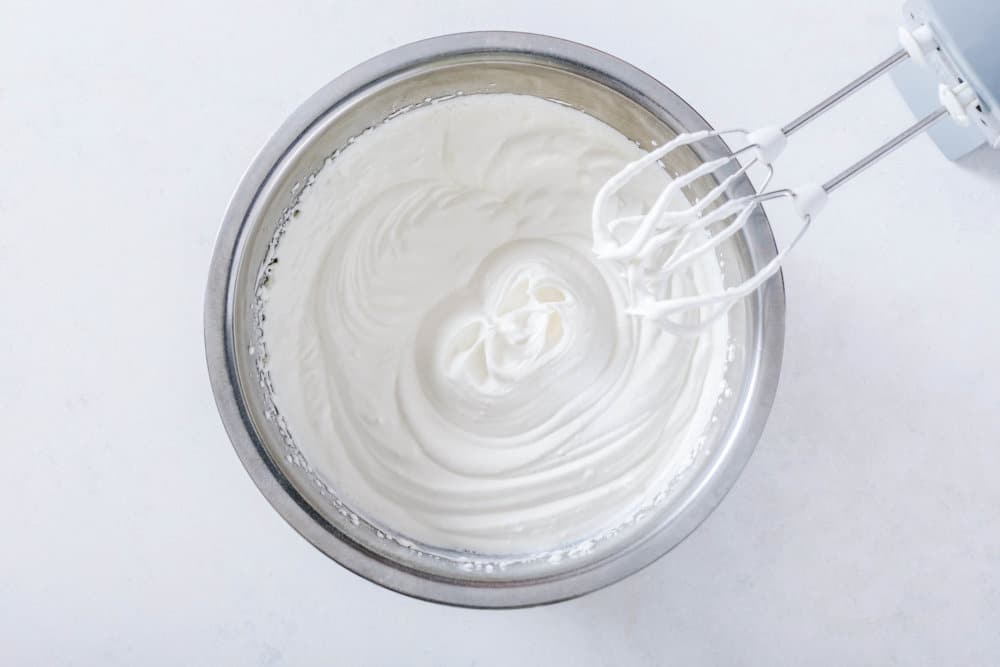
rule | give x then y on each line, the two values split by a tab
449	355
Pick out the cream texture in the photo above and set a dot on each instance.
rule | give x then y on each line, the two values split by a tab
449	354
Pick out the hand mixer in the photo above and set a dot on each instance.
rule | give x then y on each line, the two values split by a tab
955	41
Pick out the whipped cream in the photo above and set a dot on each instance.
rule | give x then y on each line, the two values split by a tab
448	353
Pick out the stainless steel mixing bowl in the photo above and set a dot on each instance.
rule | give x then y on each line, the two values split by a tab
617	93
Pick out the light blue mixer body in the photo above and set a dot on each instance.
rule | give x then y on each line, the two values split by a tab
968	35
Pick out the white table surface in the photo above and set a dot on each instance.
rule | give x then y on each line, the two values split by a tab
865	530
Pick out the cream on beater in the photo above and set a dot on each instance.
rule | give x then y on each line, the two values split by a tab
449	354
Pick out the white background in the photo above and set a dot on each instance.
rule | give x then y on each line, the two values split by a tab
866	529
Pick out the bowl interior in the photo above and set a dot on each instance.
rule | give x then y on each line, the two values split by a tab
359	104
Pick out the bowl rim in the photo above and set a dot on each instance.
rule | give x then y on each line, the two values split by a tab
712	484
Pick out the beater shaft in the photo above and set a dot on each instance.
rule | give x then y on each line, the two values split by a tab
845	92
885	149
